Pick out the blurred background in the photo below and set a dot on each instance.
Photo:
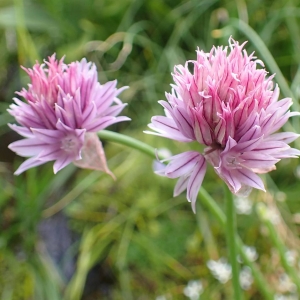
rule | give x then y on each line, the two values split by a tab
80	234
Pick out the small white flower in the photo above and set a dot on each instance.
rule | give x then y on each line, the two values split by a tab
246	278
274	216
161	297
268	213
220	269
280	297
193	290
164	153
286	284
286	297
291	256
243	205
250	253
280	196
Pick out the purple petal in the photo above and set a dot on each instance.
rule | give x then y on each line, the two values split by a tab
48	136
105	96
250	122
248	145
291	152
24	131
220	131
271	147
182	164
233	183
281	121
256	160
182	120
253	133
249	178
195	181
27	164
103	122
166	127
280	106
181	185
27	147
202	130
51	152
115	109
267	125
230	144
286	137
89	114
62	162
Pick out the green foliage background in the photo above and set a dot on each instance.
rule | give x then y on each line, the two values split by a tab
129	238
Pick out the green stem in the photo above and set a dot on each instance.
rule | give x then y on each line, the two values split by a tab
231	242
205	198
262	285
212	206
282	253
127	141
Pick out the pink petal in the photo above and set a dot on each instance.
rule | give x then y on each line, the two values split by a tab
253	133
47	136
106	95
115	109
182	164
256	160
89	114
166	127
182	120
27	164
202	130
27	147
271	147
249	178
51	152
61	162
291	152
248	145
103	122
233	183
181	185
195	181
24	131
286	137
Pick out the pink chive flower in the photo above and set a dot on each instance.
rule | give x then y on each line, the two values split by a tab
65	108
229	106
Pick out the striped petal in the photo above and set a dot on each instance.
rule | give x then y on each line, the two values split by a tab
195	181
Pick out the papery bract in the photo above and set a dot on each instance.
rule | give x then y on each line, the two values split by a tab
65	106
230	106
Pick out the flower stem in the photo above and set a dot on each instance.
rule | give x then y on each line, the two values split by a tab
290	270
260	281
205	198
127	141
231	243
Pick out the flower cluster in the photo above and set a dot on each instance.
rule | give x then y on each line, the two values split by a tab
220	269
230	106
193	290
66	106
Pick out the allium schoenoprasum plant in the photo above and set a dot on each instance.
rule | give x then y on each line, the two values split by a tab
65	107
229	105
